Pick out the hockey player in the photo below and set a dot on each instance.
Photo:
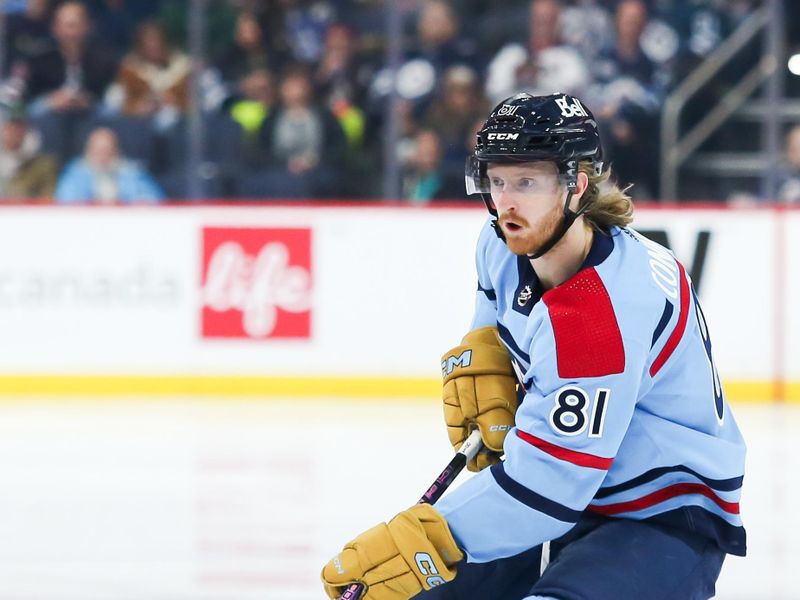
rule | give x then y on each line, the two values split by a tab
623	464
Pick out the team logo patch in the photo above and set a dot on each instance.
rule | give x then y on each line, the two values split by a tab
256	283
525	295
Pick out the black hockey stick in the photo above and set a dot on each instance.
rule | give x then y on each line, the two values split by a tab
465	453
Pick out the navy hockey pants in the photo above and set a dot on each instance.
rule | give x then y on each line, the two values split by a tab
599	559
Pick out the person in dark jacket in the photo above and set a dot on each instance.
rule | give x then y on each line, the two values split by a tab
72	75
65	82
427	178
302	144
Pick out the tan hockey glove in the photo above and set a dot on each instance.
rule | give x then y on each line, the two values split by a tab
479	391
413	552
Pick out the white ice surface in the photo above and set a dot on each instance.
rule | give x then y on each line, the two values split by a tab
185	498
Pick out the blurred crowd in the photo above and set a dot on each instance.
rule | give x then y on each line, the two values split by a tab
293	94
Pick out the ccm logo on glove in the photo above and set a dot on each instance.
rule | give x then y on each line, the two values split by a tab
427	567
451	362
480	390
500	428
337	564
415	551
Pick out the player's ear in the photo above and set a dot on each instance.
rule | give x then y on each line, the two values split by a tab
581	184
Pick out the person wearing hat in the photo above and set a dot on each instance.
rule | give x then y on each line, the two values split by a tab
26	173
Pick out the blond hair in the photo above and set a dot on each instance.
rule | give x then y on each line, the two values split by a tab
610	205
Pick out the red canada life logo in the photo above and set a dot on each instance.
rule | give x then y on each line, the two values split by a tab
256	283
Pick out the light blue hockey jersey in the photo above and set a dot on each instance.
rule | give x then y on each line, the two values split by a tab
623	413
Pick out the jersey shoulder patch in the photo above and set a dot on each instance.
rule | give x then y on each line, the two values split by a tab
587	336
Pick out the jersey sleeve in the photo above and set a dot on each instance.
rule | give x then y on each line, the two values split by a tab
485	296
581	390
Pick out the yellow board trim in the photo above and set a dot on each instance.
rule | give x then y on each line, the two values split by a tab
294	387
218	385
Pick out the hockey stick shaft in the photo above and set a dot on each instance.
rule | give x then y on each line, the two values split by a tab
465	453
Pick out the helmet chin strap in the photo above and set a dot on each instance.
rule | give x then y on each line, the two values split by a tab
570	168
566	223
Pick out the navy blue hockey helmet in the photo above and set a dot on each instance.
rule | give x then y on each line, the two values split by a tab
525	128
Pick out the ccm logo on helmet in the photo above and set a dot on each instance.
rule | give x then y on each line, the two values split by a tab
571	110
427	567
502	136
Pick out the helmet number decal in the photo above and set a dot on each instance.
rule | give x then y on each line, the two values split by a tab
575	109
507	110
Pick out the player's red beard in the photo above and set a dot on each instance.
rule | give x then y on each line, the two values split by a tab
528	240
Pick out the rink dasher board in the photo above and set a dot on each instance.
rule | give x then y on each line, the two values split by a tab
125	301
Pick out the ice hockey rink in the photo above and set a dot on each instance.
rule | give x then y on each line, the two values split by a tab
174	498
236	493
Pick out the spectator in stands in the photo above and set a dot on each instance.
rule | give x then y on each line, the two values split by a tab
700	25
789	178
454	112
427	178
625	57
626	100
437	47
339	80
302	144
103	176
25	172
71	76
438	39
590	27
248	53
253	101
336	74
304	25
65	82
27	34
153	79
116	20
545	66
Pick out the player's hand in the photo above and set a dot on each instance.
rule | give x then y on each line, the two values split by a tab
479	391
415	551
